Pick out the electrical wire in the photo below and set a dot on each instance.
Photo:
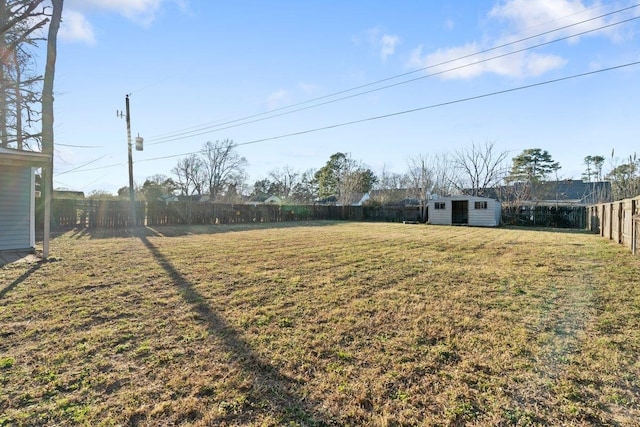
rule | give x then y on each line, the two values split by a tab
384	116
403	82
179	135
80	168
413	110
79	146
76	169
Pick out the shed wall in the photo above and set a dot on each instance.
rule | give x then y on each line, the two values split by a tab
440	216
485	217
489	217
16	208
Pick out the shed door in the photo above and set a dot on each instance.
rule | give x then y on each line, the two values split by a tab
460	212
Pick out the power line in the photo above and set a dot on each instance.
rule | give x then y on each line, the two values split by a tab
373	118
442	104
79	146
413	110
179	135
81	166
403	82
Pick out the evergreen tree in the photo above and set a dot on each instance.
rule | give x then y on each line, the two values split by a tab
532	165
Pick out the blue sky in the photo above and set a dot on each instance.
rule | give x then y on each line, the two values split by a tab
190	65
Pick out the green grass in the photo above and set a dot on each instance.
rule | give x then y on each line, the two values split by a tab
337	324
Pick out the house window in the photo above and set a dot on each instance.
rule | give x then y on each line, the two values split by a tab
480	205
440	205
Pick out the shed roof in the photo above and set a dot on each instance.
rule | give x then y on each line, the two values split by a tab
461	197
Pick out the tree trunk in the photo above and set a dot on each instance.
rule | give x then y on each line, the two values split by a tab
47	118
4	138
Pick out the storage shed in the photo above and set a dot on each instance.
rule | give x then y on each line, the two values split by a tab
465	210
17	198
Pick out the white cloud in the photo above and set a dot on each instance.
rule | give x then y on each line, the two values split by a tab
76	28
523	18
462	63
388	45
142	12
537	16
384	44
278	99
539	64
449	24
525	14
308	88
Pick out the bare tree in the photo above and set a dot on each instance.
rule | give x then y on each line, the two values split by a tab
391	187
625	178
479	168
223	167
420	176
283	181
189	173
20	84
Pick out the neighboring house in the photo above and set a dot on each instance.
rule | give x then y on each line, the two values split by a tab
353	199
358	199
67	194
272	200
168	198
465	210
262	199
395	197
570	192
17	198
203	198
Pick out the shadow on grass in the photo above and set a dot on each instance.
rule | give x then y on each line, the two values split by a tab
267	383
183	230
549	229
20	279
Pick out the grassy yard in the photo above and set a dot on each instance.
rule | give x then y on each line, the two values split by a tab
323	324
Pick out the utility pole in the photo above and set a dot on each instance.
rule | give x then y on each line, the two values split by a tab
139	147
132	194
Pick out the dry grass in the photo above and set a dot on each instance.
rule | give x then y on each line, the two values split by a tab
330	324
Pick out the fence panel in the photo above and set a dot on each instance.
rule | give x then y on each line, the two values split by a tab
618	221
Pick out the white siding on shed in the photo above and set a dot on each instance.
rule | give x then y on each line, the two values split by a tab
442	215
16	208
489	217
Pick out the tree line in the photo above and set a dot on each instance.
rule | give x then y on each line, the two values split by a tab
219	172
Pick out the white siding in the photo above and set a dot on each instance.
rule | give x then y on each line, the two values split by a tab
484	217
440	216
489	217
16	208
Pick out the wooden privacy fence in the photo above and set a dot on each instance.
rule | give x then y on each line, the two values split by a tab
618	221
81	213
78	213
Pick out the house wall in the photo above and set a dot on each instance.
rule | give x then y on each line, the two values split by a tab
489	217
16	208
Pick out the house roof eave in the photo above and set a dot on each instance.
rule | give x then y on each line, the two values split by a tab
11	157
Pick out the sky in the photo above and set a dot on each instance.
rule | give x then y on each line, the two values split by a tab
293	82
